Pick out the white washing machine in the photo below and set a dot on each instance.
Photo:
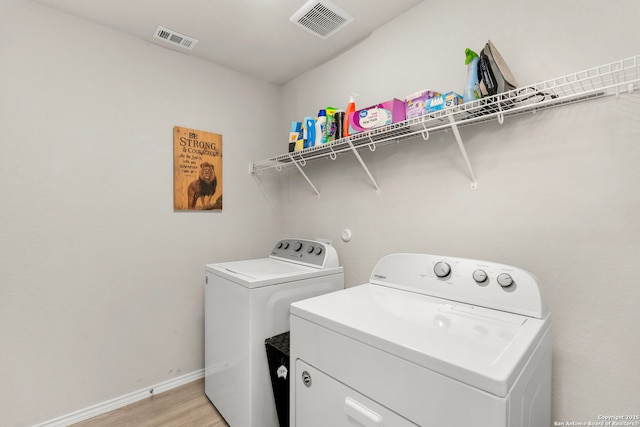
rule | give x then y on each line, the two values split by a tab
247	302
430	341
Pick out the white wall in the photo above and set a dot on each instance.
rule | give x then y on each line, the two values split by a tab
101	282
558	191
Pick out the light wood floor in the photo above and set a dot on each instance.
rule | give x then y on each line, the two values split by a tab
186	405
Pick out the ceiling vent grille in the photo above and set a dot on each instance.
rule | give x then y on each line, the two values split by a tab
175	38
321	18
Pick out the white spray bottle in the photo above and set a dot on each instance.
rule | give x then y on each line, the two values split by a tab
321	122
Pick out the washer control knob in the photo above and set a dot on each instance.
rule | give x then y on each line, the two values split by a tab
286	245
480	276
310	249
298	247
505	280
319	250
280	245
442	269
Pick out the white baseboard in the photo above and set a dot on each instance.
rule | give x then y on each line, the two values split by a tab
119	402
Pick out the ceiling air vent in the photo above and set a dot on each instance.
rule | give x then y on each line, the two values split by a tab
321	18
175	38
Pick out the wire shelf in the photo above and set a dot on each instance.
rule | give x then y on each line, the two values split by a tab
611	79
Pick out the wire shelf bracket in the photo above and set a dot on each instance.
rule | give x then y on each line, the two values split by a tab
463	151
364	166
299	165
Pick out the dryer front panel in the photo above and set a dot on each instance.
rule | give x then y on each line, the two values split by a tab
422	396
323	401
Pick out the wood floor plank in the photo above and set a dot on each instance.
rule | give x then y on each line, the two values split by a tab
186	405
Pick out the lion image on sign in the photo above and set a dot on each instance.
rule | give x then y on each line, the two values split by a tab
197	169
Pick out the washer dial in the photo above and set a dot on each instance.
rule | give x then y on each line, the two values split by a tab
442	269
505	280
480	276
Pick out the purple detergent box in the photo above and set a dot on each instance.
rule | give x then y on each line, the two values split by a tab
377	115
416	103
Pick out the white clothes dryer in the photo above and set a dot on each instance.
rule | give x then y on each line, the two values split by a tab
430	341
245	303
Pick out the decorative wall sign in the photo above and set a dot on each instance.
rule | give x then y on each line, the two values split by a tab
197	170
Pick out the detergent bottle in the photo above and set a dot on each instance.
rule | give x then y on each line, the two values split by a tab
351	108
471	91
321	122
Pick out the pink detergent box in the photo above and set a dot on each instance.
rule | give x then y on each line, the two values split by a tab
377	115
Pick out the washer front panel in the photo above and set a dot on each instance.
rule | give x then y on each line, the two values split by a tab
238	319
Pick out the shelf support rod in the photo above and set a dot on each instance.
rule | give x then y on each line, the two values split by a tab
456	133
304	175
355	152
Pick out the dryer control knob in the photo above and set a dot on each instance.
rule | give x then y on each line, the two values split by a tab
442	269
480	276
298	247
505	280
319	250
310	249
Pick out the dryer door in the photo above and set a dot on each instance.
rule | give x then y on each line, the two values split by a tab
322	401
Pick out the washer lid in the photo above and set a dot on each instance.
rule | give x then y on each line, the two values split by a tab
481	347
255	273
